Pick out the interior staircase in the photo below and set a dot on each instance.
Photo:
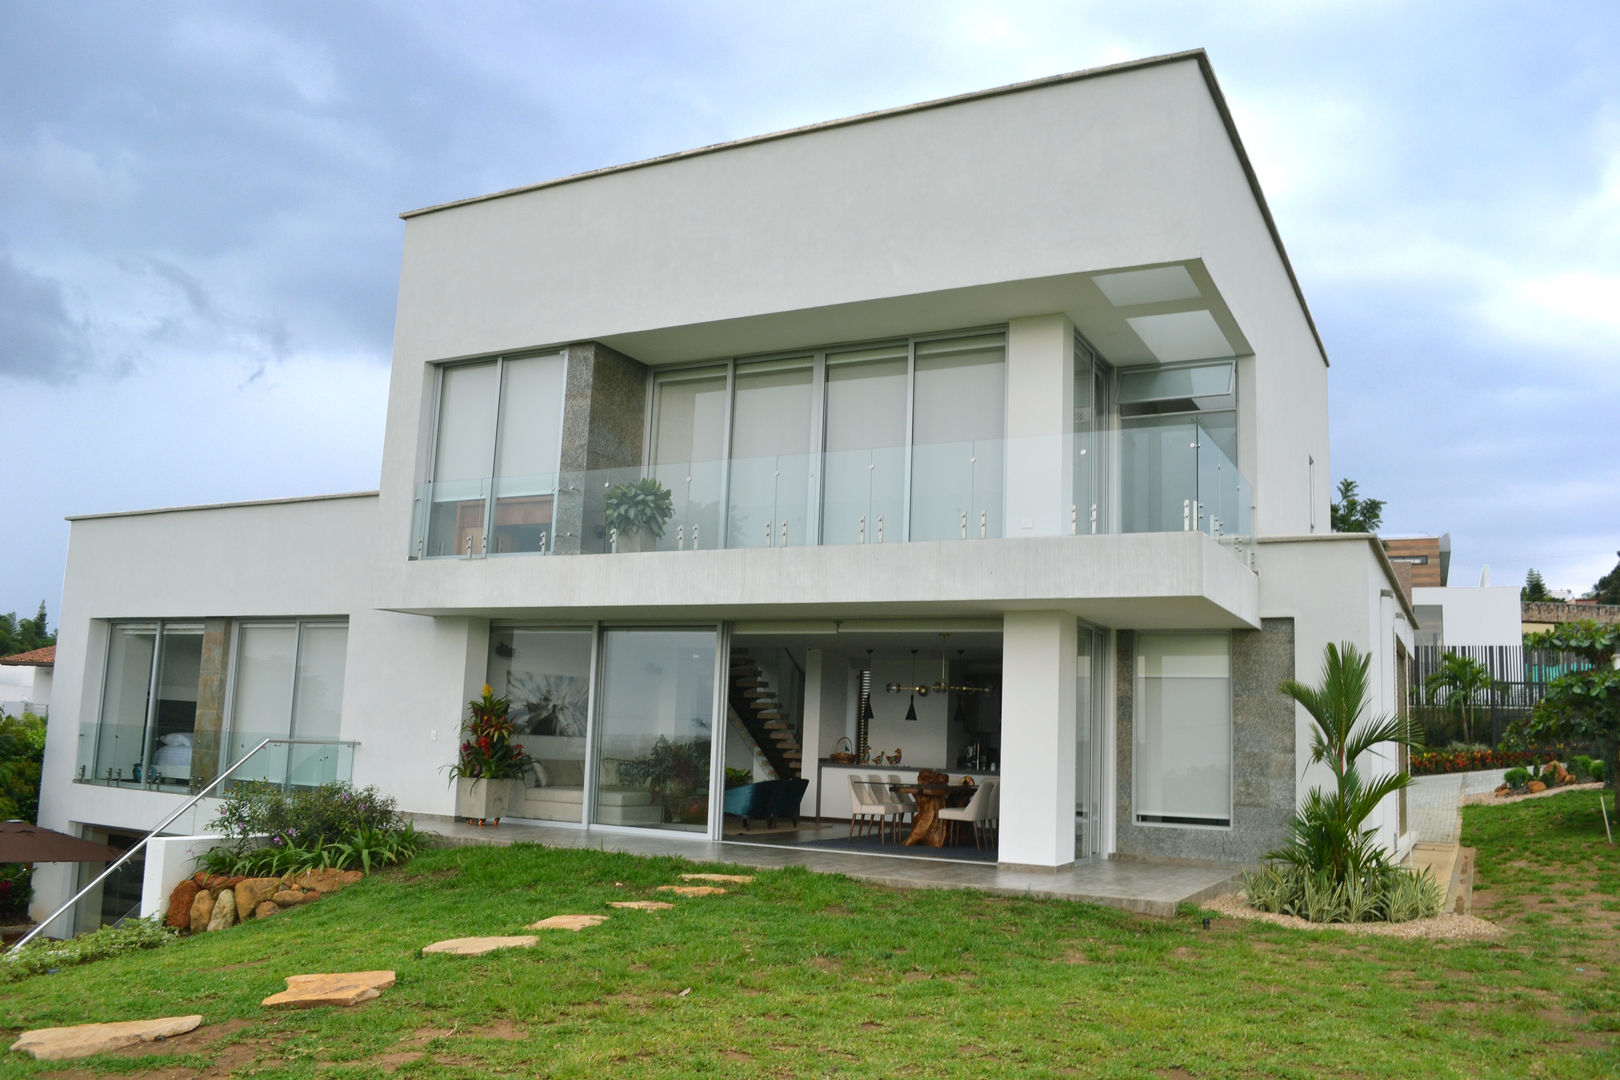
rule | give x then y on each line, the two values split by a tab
754	705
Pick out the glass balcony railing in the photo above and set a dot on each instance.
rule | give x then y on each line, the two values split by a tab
1168	477
123	755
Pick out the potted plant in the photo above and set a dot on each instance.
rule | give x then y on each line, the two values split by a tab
635	513
488	771
676	774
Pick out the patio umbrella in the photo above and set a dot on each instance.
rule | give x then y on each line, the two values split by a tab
21	842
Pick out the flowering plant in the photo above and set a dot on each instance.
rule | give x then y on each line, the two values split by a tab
487	749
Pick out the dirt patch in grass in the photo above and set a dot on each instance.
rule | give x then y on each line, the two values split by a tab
205	1041
1440	927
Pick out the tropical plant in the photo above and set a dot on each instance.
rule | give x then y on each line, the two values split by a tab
259	816
1458	684
45	954
1582	704
670	770
643	505
1326	833
487	750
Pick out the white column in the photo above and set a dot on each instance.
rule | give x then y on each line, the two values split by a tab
1038	651
1040	419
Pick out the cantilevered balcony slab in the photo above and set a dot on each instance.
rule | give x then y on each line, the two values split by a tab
1160	580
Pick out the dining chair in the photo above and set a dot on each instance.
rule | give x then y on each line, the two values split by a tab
906	801
869	802
977	810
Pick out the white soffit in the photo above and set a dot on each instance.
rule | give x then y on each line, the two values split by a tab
1182	335
1155	286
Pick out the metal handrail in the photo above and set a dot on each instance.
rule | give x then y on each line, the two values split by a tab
165	823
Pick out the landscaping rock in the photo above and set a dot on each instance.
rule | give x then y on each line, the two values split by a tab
251	892
341	988
575	923
327	880
82	1040
266	908
202	909
478	946
289	897
642	905
1535	786
734	879
180	900
224	915
691	890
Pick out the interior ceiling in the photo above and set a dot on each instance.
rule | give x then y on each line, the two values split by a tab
976	646
1134	316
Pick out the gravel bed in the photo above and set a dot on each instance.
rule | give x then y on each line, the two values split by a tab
1490	799
1446	927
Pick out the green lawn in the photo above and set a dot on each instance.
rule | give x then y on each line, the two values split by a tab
807	975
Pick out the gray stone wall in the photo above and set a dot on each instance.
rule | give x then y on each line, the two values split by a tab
604	417
208	733
1262	755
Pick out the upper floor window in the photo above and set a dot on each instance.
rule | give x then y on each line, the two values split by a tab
496	447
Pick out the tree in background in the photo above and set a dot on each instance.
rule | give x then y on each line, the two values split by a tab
1583	705
22	752
1353	514
1535	588
24	635
1607	589
1458	684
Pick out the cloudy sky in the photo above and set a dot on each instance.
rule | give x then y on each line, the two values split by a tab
199	246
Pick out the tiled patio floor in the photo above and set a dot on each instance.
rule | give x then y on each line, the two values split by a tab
1148	887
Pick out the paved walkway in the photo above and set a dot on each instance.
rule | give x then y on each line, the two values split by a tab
1147	887
1433	803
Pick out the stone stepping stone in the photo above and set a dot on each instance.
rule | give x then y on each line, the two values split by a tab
575	923
82	1040
339	988
642	905
732	879
478	946
691	890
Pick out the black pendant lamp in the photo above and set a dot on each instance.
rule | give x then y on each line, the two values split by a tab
911	709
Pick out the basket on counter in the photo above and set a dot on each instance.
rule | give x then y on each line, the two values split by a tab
843	751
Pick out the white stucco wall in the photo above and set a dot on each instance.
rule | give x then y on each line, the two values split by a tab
1475	615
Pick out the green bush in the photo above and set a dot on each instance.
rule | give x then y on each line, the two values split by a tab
1389	894
1597	770
273	832
44	954
16	890
1516	778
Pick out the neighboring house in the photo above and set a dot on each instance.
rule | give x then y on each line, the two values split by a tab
1538	616
1009	400
25	681
1429	558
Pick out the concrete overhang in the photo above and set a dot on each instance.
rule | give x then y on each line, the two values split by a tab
1125	312
1137	581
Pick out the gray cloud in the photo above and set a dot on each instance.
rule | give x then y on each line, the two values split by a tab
39	339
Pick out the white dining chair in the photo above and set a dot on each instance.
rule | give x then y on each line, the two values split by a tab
869	804
976	812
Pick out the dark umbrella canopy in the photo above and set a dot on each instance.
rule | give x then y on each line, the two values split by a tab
21	842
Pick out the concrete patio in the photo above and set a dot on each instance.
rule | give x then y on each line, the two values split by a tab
1149	888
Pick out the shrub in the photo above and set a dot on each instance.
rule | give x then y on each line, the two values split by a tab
273	832
45	955
16	890
1389	894
1436	762
1597	770
1516	778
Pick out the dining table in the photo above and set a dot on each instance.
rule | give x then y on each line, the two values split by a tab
927	827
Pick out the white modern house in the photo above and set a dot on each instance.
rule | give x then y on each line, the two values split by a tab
1004	411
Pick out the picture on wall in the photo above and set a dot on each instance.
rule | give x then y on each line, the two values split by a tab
548	704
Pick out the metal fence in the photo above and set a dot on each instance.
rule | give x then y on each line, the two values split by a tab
1518	679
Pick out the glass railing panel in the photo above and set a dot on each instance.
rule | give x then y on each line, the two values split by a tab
696	490
1222	490
289	763
768	501
957	490
523	519
1158	478
864	496
454	514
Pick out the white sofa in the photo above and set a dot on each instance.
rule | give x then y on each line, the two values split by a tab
555	791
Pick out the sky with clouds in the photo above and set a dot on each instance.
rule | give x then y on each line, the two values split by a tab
199	247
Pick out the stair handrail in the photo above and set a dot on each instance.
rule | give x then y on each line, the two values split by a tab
165	823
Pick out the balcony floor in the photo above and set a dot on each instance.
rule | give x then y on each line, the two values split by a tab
1149	888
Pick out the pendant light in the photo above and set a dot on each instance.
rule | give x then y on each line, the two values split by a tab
911	710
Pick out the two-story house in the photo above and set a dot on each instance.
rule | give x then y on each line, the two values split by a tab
993	429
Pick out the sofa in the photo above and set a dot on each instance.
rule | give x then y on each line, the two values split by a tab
767	799
554	790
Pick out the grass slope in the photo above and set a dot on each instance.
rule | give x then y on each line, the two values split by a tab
809	975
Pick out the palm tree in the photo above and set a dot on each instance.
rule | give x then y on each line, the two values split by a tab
1461	679
1327	833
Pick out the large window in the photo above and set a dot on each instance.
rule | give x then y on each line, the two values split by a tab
1183	729
496	448
1178	449
148	705
655	727
287	683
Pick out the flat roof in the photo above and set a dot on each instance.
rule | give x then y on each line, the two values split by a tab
224	506
1198	56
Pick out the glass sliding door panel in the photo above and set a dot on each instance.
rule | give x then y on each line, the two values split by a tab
771	440
121	735
528	444
546	674
958	427
1085	749
318	702
1183	729
864	470
655	720
463	458
175	717
1092	441
261	702
688	454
